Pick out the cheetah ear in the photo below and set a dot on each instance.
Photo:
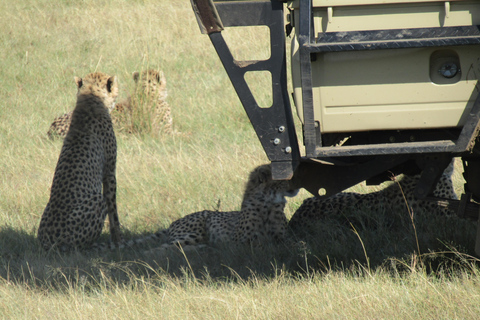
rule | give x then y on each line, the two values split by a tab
135	76
78	81
263	174
110	83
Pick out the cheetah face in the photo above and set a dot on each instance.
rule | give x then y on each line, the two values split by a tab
152	83
260	183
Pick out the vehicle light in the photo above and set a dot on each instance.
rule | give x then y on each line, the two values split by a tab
445	67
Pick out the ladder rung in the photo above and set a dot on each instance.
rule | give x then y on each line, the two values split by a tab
395	39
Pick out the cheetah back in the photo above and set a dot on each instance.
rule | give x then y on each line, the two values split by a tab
84	185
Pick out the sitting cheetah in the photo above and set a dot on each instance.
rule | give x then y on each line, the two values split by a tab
77	208
261	217
391	198
147	107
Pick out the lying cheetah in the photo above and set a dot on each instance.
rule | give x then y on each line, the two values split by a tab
261	217
391	198
147	107
60	126
75	213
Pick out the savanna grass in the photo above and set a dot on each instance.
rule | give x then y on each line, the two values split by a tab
160	179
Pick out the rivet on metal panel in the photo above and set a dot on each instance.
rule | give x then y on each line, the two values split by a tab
276	141
281	129
288	150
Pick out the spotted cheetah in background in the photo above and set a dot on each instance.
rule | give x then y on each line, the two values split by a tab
84	184
60	126
261	217
391	198
148	105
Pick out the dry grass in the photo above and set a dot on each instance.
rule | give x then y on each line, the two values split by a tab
335	295
160	179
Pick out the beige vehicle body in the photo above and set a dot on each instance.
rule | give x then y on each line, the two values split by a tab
393	88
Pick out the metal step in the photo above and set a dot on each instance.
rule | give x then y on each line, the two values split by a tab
395	39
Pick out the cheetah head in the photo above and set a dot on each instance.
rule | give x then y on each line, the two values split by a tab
152	82
101	85
260	182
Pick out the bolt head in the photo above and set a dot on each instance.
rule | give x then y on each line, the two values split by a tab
449	70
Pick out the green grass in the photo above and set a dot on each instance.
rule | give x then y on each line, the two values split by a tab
44	45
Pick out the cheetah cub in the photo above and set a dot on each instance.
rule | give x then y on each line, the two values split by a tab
84	184
147	106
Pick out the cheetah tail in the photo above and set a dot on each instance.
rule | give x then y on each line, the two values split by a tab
159	236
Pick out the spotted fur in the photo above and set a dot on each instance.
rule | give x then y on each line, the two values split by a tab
397	196
84	184
60	126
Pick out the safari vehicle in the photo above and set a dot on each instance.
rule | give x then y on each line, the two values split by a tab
380	87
